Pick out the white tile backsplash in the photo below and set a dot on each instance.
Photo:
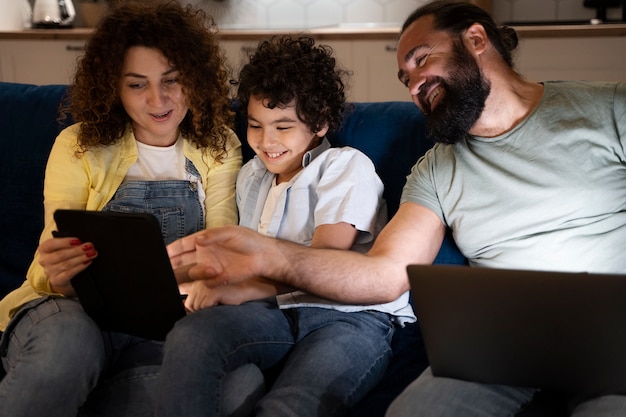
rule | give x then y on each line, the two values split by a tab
304	14
325	13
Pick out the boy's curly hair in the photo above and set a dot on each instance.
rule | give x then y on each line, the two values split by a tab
187	38
287	68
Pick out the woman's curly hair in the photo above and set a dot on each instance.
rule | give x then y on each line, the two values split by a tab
287	68
187	38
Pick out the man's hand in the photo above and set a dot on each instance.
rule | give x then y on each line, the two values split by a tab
220	256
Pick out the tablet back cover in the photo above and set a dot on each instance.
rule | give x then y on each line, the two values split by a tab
130	286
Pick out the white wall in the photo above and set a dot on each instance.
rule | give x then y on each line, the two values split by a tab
303	14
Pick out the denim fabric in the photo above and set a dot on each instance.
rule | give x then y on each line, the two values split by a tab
605	406
328	359
175	204
441	397
54	355
438	397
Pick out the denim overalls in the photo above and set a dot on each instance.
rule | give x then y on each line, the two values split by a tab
177	207
175	203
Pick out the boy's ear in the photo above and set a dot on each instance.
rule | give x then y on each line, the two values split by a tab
322	132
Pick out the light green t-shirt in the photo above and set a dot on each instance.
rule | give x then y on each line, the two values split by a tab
550	194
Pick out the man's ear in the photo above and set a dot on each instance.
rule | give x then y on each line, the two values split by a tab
476	38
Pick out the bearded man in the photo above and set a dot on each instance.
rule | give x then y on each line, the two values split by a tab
527	175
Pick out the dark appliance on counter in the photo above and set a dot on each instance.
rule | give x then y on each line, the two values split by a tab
601	7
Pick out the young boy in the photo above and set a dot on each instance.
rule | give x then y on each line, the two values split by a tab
325	356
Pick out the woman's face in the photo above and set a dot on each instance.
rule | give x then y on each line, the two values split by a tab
152	96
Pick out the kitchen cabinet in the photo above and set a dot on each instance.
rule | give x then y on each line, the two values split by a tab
372	65
573	58
39	61
598	58
238	51
592	52
376	72
236	56
540	59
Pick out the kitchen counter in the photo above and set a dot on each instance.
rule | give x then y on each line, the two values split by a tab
342	32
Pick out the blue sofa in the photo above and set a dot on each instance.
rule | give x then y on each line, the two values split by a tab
391	134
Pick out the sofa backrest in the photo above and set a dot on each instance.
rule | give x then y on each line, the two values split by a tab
391	134
28	127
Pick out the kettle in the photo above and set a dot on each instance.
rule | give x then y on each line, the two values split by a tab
53	13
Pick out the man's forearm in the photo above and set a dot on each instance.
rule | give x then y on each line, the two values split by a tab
343	276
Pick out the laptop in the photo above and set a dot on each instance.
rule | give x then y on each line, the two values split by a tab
554	330
130	286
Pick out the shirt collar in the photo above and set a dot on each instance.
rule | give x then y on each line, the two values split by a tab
309	156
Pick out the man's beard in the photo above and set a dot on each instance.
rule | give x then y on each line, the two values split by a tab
463	101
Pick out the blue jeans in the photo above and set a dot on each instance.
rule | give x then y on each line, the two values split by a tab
55	355
57	360
328	360
431	396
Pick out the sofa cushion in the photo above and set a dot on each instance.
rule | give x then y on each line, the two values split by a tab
28	127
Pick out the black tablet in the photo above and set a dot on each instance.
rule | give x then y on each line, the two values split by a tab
130	286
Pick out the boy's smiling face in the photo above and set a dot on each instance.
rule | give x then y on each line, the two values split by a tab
279	138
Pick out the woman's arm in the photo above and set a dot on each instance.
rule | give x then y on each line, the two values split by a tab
219	186
66	185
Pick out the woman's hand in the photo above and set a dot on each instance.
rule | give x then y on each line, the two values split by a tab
63	258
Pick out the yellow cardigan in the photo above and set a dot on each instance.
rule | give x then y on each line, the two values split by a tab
89	181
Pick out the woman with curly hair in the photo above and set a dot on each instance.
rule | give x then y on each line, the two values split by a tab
319	356
150	102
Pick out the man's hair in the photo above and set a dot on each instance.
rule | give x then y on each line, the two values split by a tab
287	68
456	17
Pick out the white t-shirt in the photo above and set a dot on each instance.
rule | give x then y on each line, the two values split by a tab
162	163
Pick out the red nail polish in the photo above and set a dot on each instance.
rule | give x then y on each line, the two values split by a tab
75	242
87	247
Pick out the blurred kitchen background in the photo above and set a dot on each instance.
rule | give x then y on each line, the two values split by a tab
363	34
305	14
270	14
